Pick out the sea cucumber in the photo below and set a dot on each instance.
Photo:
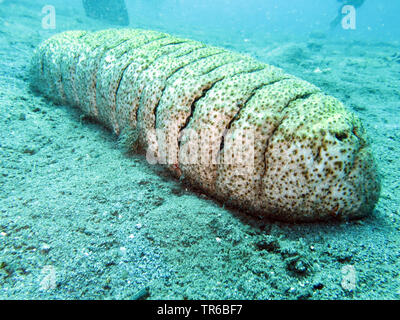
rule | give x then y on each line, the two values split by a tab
244	132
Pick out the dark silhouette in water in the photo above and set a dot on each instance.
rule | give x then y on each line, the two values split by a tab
354	3
112	11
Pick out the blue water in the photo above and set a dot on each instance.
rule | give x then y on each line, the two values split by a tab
375	19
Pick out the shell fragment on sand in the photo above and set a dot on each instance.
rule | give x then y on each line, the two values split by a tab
242	131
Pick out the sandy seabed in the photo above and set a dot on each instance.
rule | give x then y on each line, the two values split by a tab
79	219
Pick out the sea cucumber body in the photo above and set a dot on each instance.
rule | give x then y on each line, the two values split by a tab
242	131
